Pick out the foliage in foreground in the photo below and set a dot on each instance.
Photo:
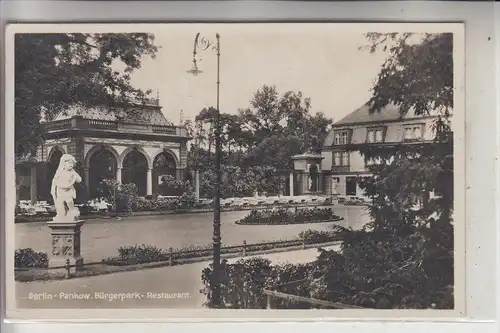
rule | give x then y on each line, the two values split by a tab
243	283
373	270
28	258
404	258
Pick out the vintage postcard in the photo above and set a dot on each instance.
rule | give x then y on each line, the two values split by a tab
235	171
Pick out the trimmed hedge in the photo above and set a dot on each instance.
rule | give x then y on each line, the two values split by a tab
287	216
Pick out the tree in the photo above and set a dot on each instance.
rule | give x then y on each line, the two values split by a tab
208	116
261	140
317	128
275	151
416	75
404	257
53	71
419	78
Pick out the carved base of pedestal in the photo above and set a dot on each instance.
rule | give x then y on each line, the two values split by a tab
66	243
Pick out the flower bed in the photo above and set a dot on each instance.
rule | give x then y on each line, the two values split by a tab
137	254
287	216
32	266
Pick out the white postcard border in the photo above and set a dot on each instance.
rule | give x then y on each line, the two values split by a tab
264	315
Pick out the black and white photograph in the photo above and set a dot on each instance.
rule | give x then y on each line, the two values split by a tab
200	168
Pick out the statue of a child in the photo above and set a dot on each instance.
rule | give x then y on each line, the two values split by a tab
63	191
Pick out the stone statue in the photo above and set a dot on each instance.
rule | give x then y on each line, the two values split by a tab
310	183
63	191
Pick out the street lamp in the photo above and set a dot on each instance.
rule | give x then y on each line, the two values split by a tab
203	44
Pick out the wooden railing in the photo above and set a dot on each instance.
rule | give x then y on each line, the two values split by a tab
273	293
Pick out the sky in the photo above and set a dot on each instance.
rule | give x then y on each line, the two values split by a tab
323	61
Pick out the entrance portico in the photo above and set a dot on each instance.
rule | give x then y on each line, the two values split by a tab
307	174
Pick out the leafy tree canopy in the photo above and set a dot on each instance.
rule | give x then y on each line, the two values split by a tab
53	71
418	73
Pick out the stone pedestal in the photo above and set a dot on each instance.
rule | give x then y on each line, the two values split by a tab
66	243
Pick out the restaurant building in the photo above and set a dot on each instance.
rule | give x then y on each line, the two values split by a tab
132	144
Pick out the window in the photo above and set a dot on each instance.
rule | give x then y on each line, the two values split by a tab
371	136
413	132
417	132
337	158
337	138
345	158
342	138
341	158
375	135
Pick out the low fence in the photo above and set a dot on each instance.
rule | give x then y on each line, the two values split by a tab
171	257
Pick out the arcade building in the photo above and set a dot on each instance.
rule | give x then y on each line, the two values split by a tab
133	144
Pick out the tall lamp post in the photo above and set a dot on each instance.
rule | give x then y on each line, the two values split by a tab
202	44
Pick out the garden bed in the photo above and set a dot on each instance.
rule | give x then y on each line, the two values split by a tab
31	265
93	269
282	216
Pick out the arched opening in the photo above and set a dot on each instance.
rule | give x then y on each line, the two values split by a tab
135	170
313	178
163	165
103	166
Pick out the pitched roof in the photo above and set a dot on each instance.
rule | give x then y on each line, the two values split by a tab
363	115
143	114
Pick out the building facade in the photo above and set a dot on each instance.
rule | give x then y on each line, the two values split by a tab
132	144
341	166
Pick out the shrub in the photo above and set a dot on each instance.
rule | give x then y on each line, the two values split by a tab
172	187
85	210
322	236
28	258
143	204
138	254
243	282
318	236
120	196
286	216
379	270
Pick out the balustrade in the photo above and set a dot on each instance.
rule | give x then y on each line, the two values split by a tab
164	129
103	124
82	123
